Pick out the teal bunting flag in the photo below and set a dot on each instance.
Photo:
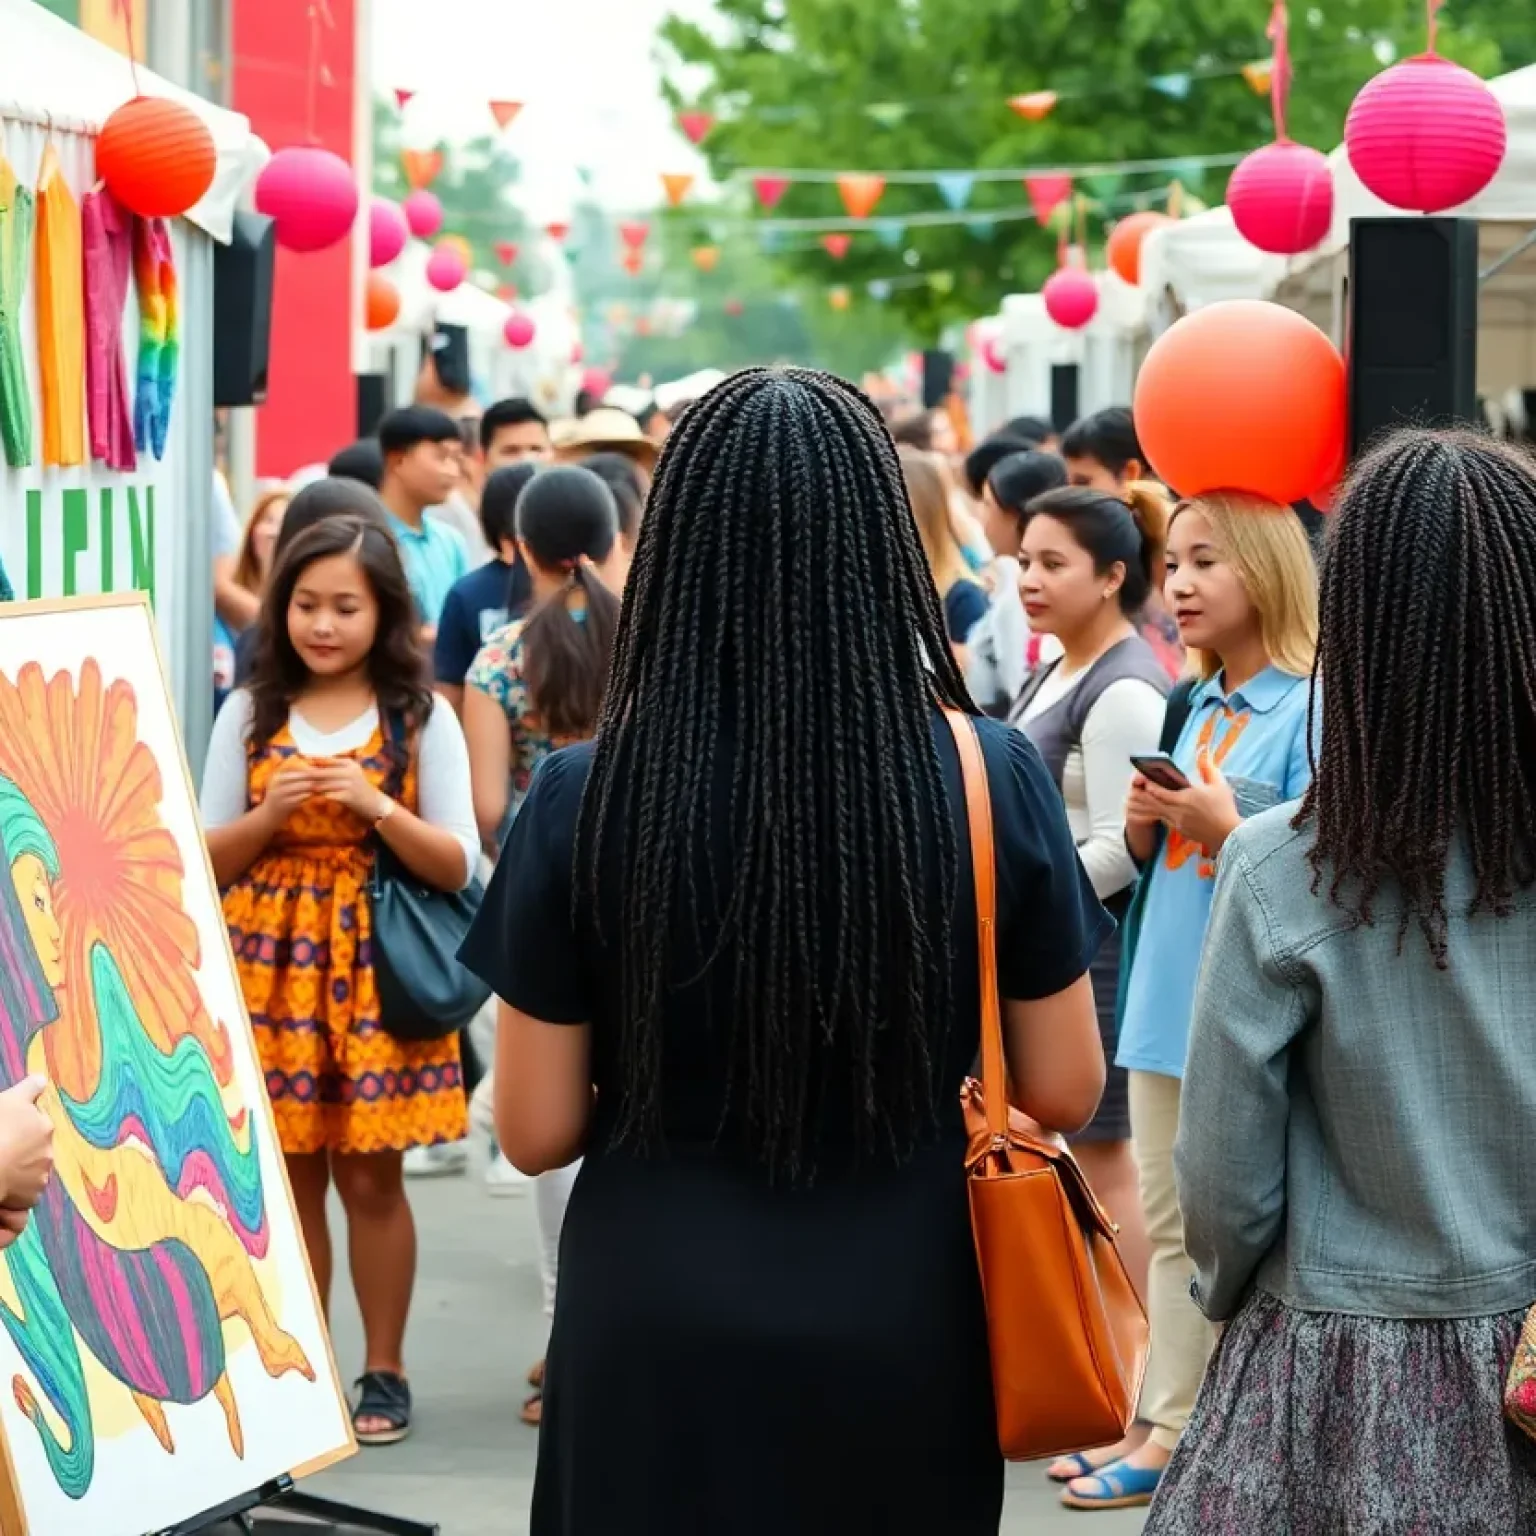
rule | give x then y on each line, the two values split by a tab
1174	86
890	234
955	188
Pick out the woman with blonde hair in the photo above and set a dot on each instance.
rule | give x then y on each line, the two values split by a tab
252	566
964	600
1242	587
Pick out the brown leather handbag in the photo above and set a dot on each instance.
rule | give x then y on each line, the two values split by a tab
1067	1332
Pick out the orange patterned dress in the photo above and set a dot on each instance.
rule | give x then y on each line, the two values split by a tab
300	923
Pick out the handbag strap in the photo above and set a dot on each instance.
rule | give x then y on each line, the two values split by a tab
978	815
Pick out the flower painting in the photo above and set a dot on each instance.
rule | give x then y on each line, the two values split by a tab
158	1303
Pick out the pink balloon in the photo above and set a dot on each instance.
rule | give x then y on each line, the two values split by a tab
310	195
597	382
1281	197
519	331
1071	297
387	232
992	356
1426	135
446	268
423	214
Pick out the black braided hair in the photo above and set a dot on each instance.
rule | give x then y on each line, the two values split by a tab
1427	661
780	610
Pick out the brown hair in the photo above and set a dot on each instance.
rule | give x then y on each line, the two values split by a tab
930	509
1129	530
247	569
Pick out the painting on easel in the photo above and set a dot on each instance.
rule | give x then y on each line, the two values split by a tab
163	1349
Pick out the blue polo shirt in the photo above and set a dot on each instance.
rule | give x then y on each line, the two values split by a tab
1257	737
434	557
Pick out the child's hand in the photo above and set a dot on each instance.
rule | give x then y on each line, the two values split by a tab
342	781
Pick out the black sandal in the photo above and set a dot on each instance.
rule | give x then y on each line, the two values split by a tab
387	1396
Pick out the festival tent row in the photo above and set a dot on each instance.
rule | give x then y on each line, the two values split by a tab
70	520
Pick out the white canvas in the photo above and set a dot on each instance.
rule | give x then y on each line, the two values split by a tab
169	1206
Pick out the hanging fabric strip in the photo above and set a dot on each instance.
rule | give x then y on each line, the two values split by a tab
16	219
108	240
154	266
60	316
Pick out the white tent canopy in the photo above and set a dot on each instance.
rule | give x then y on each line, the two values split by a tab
1200	261
53	75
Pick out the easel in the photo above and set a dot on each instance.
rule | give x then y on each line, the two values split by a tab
283	1500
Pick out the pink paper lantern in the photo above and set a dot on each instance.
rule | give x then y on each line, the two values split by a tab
1071	297
519	331
446	268
310	195
423	214
992	354
1281	197
1425	135
387	232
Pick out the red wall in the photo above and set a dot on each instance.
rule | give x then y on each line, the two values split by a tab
311	406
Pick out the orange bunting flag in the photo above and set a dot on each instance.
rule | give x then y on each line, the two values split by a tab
861	194
633	261
403	97
505	112
421	167
706	257
837	298
507	292
836	246
695	126
557	231
1033	106
1258	76
676	186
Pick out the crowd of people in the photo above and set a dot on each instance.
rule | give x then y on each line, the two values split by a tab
1265	924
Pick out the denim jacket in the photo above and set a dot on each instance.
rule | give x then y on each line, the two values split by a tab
1358	1129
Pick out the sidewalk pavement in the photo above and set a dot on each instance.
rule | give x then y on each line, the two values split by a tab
475	1328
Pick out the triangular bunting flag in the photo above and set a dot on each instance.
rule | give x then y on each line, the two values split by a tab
403	97
955	188
634	235
505	112
941	282
585	173
557	230
1033	106
1047	194
1175	87
706	257
1257	76
770	240
836	246
891	233
880	290
633	261
838	298
889	114
506	252
982	229
506	292
677	187
422	167
770	191
861	194
695	126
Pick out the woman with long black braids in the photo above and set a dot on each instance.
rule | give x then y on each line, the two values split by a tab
736	947
1359	1110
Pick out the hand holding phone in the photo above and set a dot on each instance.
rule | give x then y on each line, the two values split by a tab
1160	769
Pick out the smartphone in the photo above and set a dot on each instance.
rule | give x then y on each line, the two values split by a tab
1161	770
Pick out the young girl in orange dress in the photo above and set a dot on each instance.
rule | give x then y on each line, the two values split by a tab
338	742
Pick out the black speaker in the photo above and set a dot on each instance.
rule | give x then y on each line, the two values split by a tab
1412	324
242	311
374	402
1063	395
938	378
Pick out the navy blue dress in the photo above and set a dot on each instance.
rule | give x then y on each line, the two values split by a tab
731	1357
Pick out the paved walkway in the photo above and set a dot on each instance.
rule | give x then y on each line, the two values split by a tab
475	1329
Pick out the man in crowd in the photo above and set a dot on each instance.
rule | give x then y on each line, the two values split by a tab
421	449
513	432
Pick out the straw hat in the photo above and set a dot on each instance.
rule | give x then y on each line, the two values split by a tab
604	430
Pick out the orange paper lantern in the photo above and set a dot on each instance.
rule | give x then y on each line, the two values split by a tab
1243	396
156	157
381	302
1124	249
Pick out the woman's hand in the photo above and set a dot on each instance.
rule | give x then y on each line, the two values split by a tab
342	781
1205	812
1143	816
26	1144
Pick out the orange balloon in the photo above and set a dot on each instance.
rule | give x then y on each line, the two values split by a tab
382	302
1124	248
1243	396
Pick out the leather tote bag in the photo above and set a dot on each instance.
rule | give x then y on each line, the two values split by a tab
1066	1330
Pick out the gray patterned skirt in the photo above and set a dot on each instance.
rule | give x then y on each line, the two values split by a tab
1318	1424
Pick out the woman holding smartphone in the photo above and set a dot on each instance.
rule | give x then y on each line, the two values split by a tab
1243	589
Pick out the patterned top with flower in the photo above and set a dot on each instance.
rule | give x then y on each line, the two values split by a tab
498	672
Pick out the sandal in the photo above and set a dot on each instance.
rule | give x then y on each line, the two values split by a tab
1124	1487
1067	1469
536	1374
533	1411
382	1395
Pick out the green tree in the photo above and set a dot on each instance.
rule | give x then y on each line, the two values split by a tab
839	85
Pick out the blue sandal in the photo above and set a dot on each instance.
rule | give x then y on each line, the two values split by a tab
1081	1467
1124	1487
